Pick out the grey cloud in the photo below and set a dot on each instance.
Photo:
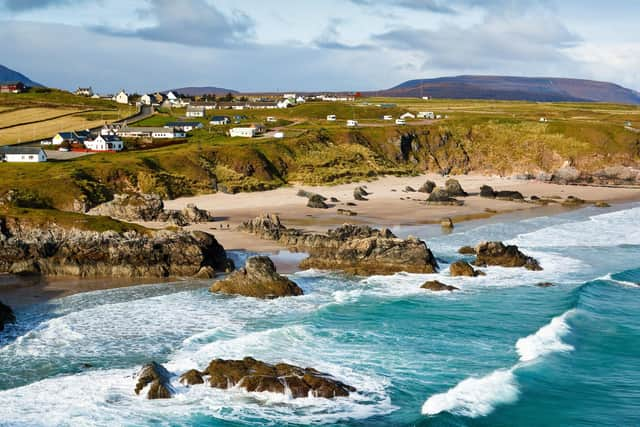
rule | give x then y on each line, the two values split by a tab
436	6
329	39
25	5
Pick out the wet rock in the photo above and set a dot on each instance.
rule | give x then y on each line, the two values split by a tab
573	201
435	286
446	223
6	316
467	250
359	193
454	189
427	187
544	284
441	197
256	376
463	268
257	279
487	191
316	201
192	377
602	205
347	212
157	378
497	253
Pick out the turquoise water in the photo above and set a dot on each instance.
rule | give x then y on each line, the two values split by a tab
501	352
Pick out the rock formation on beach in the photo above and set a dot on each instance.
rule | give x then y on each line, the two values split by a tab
427	187
26	248
149	207
435	286
359	193
257	279
497	253
157	378
440	196
463	268
355	249
454	189
488	192
467	250
317	201
6	315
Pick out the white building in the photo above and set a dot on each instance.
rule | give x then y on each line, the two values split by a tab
285	103
352	123
220	120
426	115
271	119
331	118
104	143
387	117
401	122
243	132
278	135
70	137
121	97
408	116
146	99
185	126
22	154
171	97
195	111
150	132
426	98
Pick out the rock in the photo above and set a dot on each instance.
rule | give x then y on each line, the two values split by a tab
463	268
446	223
6	316
351	204
192	377
304	193
359	193
316	201
544	176
409	189
566	175
534	198
347	212
454	189
602	205
427	187
257	279
573	201
334	200
544	284
435	286
509	195
157	378
497	253
467	250
266	226
56	251
256	376
192	214
441	197
487	191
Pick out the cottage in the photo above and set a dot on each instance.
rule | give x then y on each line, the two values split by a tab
387	117
121	97
184	126
352	123
426	115
285	103
193	111
150	132
84	91
104	143
220	120
12	87
22	154
68	137
146	99
401	122
331	118
408	116
243	132
206	105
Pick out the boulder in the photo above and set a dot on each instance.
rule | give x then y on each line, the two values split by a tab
266	226
157	378
446	223
487	191
467	250
463	268
573	201
427	187
566	175
6	316
257	279
509	195
317	201
257	376
334	200
454	189
359	193
441	197
192	214
409	189
347	212
435	286
192	377
602	205
497	253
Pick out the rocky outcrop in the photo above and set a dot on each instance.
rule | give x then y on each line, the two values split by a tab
440	196
359	193
409	189
454	189
256	376
6	315
257	279
149	207
447	223
157	378
427	187
488	192
192	377
463	268
497	253
467	250
435	286
355	249
58	251
317	201
347	212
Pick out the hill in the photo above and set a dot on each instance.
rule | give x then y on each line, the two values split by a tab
202	90
9	75
515	89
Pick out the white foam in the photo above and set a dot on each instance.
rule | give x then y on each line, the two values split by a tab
475	397
547	339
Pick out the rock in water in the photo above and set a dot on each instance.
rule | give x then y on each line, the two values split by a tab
446	223
427	187
157	378
435	286
359	193
454	189
256	376
192	377
257	279
544	284
6	315
602	205
497	253
317	201
467	250
463	268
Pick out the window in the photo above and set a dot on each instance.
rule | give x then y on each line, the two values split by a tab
31	157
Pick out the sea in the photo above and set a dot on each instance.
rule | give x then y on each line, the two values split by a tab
499	352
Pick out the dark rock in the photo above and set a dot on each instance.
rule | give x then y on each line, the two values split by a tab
351	204
192	377
487	191
359	193
256	376
463	268
257	279
157	378
334	200
544	284
6	315
573	201
347	212
427	187
441	197
602	205
435	286
446	223
534	198
316	201
454	189
509	195
467	250
497	253
409	189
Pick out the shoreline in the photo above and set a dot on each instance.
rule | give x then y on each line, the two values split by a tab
388	206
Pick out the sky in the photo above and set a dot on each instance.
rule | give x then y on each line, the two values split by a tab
313	45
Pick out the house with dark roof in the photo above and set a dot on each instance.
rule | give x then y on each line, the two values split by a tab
184	126
12	87
220	120
104	143
68	137
13	154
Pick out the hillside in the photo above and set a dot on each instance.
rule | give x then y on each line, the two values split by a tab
202	90
9	75
515	88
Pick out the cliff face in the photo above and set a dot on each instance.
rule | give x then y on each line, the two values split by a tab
29	249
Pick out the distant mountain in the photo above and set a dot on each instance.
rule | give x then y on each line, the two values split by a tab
204	90
9	75
515	88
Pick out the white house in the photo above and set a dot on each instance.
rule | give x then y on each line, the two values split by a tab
171	97
408	116
387	117
289	96
22	154
426	115
184	126
150	132
146	99
104	143
543	120
243	132
331	118
426	98
285	103
220	120
84	91
195	111
121	97
300	100
70	137
401	122
352	123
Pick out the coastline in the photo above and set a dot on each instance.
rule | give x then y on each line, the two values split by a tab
385	208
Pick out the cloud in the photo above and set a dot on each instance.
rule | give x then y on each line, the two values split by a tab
191	23
436	6
329	39
27	5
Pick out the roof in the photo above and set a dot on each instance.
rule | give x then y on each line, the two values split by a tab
145	129
20	150
181	124
109	138
68	135
219	118
195	108
11	83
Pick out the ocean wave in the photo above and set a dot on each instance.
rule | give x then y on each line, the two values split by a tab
547	339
